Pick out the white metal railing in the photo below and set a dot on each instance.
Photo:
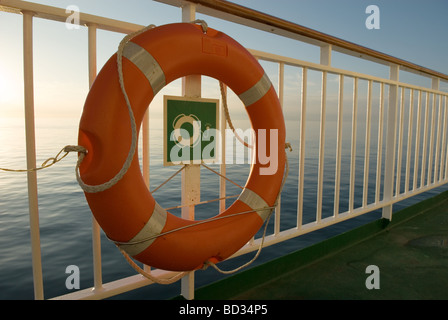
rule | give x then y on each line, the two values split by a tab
431	172
411	142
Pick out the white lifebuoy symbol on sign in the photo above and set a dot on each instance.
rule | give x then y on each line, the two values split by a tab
178	122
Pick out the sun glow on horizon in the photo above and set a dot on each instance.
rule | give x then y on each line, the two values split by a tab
9	91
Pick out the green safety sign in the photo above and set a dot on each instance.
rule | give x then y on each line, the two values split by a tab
190	130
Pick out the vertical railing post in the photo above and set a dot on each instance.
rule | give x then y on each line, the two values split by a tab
443	155
96	240
444	146
191	175
400	143
31	153
325	59
353	146
365	187
222	166
145	159
425	141
281	84
409	143
380	145
337	182
391	142
417	140
302	148
432	171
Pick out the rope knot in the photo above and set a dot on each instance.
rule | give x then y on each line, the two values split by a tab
80	149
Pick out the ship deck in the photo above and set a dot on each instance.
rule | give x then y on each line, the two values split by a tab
411	253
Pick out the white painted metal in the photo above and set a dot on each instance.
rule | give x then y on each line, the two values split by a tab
222	166
431	138
409	143
114	288
438	146
391	137
145	160
59	14
400	143
425	142
332	70
96	241
284	33
320	174
325	59
380	144
337	183
445	138
367	144
432	172
443	175
353	145
446	133
191	175
302	147
31	152
281	84
417	139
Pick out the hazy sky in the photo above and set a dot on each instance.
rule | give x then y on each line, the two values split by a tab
411	30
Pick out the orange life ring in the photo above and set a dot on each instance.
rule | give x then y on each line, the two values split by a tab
127	212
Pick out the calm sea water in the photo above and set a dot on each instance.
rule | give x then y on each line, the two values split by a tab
65	218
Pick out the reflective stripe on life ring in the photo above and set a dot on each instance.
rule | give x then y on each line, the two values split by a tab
127	212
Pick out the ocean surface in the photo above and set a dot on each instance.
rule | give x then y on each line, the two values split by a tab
65	219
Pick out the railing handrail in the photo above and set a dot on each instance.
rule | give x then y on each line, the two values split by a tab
280	26
270	23
58	14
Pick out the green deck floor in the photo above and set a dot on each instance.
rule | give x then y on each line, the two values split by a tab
411	253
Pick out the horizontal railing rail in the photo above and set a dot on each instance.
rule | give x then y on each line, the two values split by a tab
253	18
408	146
436	146
59	14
